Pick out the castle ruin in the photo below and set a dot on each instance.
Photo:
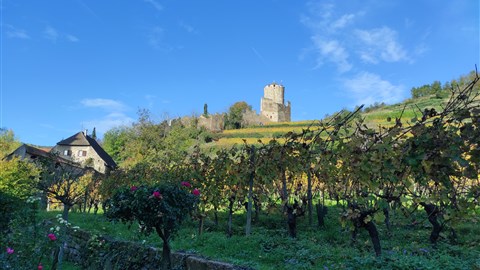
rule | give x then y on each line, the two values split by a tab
272	109
272	104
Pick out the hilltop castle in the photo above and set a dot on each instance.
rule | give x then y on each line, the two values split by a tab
272	104
272	109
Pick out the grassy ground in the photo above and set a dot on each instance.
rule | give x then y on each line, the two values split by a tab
407	247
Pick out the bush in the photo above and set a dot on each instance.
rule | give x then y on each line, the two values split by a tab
8	207
156	208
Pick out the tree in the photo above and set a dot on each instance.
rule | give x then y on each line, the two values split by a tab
115	142
94	133
234	117
156	208
8	142
205	110
65	182
18	178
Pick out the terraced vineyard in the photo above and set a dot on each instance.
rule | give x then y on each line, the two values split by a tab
378	117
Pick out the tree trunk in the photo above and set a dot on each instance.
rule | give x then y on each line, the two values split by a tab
215	213
66	209
166	263
166	256
248	228
386	213
373	232
432	212
85	200
230	215
321	213
256	205
291	221
309	196
200	224
284	186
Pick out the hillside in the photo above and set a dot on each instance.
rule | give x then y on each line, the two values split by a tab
374	116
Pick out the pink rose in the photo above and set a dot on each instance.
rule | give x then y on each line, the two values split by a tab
40	266
10	250
52	236
186	184
157	194
133	188
196	192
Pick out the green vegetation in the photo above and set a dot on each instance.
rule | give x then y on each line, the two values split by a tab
234	117
155	208
339	193
329	246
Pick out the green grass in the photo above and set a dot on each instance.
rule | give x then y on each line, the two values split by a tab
330	247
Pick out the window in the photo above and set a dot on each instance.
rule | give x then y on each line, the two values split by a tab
82	153
67	152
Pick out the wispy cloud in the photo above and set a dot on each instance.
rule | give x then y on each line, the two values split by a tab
106	104
13	32
108	122
115	114
333	51
381	44
155	4
368	88
50	33
327	28
342	22
187	27
72	38
259	56
150	100
156	39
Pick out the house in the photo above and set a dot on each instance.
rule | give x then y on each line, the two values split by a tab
28	153
79	150
84	150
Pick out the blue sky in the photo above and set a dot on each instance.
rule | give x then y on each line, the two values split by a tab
69	65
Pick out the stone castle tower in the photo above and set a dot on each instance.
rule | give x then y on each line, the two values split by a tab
272	104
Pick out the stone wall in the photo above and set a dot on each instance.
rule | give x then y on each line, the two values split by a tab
212	122
105	253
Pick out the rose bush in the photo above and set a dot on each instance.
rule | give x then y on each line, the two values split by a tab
156	208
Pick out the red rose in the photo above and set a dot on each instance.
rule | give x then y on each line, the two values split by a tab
52	236
196	192
157	194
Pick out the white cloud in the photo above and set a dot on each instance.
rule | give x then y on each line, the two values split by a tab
342	21
114	117
13	32
332	51
368	88
51	33
106	104
327	29
381	44
155	4
72	38
108	122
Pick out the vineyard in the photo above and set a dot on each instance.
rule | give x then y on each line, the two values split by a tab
392	188
426	164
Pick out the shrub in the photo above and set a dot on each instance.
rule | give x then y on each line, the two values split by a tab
156	208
